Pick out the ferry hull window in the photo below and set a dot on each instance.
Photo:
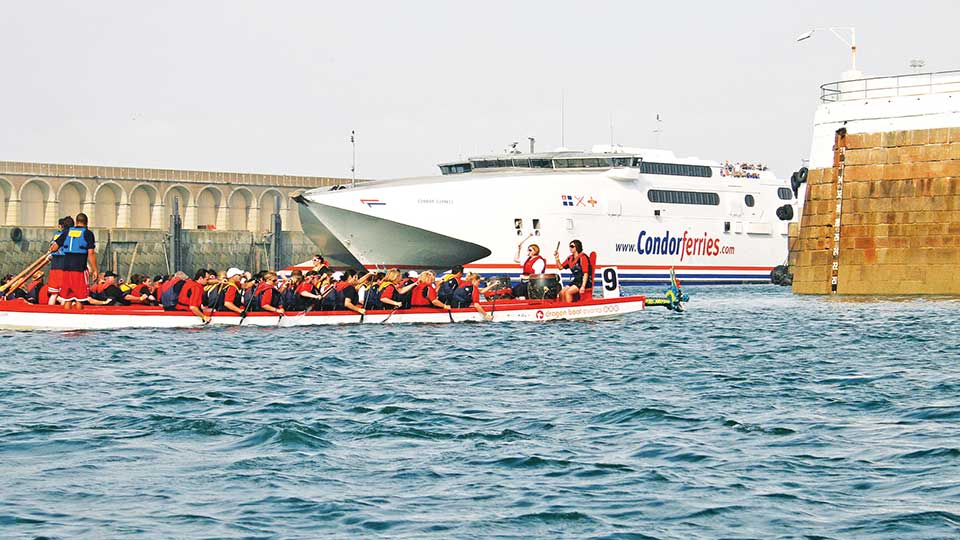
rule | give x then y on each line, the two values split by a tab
749	201
683	197
785	194
674	169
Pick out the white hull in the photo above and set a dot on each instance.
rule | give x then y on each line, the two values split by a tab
478	218
27	317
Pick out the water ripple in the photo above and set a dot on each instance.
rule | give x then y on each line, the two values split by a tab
756	414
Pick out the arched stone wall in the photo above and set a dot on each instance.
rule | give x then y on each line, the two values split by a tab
35	199
267	207
144	206
107	201
209	203
6	193
239	206
72	198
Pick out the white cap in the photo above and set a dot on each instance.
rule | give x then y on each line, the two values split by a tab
413	274
234	272
336	276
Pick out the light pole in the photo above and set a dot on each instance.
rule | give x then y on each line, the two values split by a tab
852	43
353	163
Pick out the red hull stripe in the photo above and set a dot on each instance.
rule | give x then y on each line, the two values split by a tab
554	267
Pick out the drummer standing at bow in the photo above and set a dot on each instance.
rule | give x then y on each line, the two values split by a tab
579	265
534	264
79	245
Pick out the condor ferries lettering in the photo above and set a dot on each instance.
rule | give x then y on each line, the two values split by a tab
686	245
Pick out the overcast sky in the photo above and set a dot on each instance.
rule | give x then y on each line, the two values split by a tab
276	87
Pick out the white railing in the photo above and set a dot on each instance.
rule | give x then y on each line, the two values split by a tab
917	84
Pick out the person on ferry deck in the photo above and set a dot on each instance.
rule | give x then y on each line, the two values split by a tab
56	263
320	264
468	294
534	264
425	292
191	295
79	248
579	265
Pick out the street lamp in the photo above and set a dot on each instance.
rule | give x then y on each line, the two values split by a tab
834	29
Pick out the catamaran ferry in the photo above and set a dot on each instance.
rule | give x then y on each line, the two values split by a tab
643	211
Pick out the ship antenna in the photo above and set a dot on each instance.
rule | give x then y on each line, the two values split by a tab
657	131
611	130
563	142
353	165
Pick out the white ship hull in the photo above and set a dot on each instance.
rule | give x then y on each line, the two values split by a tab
478	219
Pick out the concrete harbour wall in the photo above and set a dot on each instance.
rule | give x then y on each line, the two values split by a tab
202	249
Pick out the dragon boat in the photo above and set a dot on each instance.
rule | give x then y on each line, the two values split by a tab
20	315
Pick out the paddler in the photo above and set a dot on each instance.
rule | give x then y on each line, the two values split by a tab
191	295
468	294
424	294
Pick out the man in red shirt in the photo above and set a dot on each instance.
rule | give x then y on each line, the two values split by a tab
191	295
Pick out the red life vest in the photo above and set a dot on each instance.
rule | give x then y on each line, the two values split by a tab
528	264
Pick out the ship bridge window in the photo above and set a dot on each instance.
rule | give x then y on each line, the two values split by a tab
675	169
541	163
622	161
456	168
784	193
683	197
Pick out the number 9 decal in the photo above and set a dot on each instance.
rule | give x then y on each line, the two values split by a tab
611	282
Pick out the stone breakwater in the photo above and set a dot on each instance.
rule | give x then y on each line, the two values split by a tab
885	218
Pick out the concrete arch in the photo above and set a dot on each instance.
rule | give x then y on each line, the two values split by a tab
6	194
210	207
239	207
185	202
145	206
36	203
107	201
267	207
73	197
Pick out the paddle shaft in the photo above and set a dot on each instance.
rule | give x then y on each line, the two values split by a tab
29	270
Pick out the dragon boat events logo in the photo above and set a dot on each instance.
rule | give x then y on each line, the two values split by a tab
685	245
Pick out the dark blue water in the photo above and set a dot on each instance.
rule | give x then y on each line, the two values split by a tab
756	414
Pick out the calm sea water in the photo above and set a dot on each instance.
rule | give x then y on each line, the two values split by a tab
756	414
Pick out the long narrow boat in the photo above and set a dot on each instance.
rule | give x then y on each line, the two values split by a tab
19	315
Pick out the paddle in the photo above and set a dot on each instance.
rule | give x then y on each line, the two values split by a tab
390	315
243	314
28	271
